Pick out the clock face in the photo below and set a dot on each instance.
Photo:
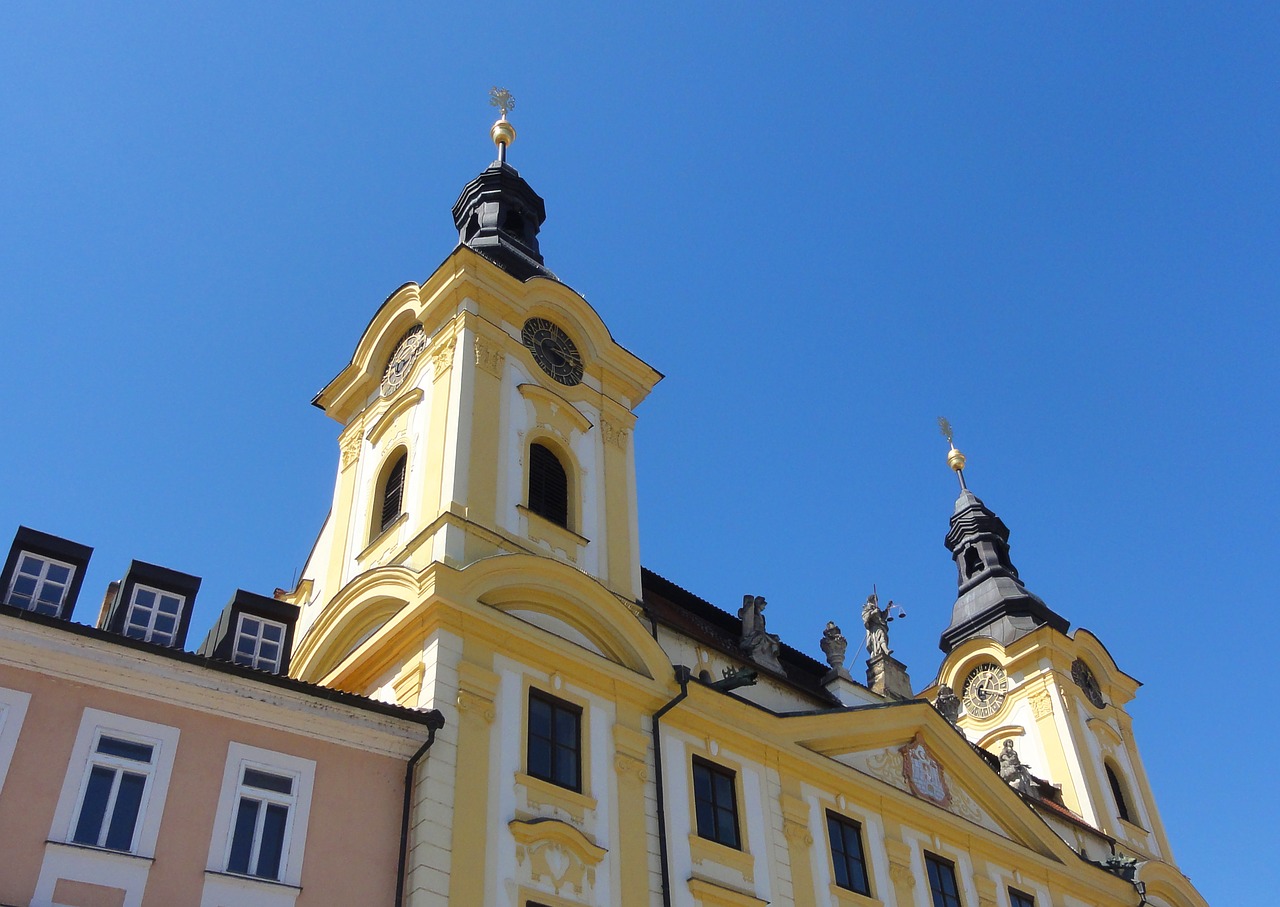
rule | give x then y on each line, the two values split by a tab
1085	680
552	349
406	352
984	690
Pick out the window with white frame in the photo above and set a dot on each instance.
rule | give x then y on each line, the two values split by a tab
13	709
261	825
39	584
261	828
259	643
116	779
153	615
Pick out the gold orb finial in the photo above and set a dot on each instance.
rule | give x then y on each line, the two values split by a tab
502	132
955	459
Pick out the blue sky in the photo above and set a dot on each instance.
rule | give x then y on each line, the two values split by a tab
1055	225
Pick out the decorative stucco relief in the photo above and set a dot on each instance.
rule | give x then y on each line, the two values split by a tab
489	357
554	853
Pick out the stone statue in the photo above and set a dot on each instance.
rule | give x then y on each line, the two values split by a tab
876	620
1017	775
834	645
763	647
948	703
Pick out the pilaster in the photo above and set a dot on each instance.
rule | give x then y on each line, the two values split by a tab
477	694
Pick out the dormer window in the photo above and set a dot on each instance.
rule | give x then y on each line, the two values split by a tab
548	486
254	631
43	573
39	584
153	604
153	615
259	643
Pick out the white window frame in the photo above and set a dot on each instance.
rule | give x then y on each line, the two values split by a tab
264	797
152	613
258	660
94	724
119	766
239	757
46	562
13	711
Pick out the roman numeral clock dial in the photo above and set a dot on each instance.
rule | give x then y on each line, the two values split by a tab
553	350
984	690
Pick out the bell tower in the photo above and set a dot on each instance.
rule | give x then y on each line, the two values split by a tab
1021	677
487	411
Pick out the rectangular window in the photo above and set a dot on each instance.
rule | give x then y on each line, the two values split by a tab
260	830
113	792
715	801
259	643
846	853
942	881
555	741
1020	899
153	615
39	584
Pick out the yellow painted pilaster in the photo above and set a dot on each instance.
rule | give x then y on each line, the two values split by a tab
477	690
795	826
631	765
437	431
900	872
350	443
484	364
616	427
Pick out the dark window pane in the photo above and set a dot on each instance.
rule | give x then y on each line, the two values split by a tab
1020	899
942	882
554	744
393	492
124	817
701	782
165	623
266	781
94	807
272	632
58	574
1118	793
272	841
242	838
706	819
144	597
548	486
125	749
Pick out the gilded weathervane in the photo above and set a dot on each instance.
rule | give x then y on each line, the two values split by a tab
955	459
502	133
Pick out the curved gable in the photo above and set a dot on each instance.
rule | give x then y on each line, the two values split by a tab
564	601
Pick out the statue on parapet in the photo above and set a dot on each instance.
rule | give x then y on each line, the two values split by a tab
948	703
760	645
1015	774
876	620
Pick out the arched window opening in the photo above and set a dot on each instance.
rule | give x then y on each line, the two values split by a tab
1117	791
392	497
548	486
972	562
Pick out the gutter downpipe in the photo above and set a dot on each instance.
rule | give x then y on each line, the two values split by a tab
435	721
682	677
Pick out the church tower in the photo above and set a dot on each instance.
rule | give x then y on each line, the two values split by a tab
485	412
1058	696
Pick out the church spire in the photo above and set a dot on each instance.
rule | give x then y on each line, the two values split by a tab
498	214
992	600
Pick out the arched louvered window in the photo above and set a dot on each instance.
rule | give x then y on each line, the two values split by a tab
1117	791
392	497
548	486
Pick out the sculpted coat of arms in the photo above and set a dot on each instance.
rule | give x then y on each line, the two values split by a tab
924	773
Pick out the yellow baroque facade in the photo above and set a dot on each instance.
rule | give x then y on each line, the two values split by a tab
610	738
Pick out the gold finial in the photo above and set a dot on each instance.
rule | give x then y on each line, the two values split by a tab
502	133
955	459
